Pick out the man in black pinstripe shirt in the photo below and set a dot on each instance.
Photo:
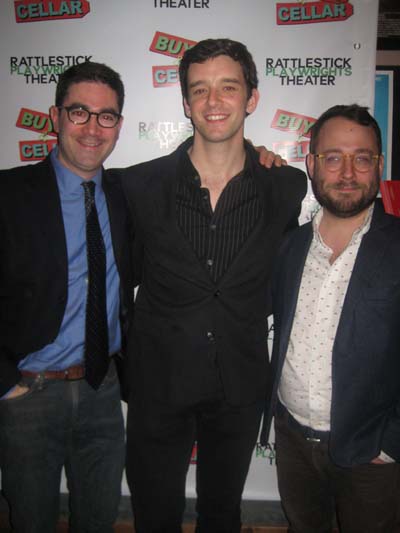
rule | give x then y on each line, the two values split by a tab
216	234
208	220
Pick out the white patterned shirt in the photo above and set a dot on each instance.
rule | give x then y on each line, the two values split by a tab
306	383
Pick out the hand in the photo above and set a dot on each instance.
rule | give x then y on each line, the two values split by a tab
18	391
377	461
268	158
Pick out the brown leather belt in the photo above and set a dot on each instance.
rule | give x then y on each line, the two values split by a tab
71	373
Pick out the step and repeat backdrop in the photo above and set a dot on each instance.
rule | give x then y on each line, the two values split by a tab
309	55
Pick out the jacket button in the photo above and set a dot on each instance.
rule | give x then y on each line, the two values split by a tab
210	336
217	294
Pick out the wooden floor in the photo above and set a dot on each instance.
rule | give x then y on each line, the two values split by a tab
124	527
128	528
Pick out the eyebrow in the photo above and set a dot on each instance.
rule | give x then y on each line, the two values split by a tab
224	80
84	106
357	151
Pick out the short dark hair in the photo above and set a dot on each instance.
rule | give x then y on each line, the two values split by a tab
90	71
353	112
210	48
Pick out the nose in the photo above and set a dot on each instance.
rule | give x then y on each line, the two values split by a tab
348	167
92	126
213	96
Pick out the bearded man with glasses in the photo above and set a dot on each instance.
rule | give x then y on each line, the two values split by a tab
336	365
63	227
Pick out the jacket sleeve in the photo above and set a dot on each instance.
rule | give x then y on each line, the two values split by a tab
9	373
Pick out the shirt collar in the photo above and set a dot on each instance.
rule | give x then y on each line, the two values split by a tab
187	171
189	174
358	232
69	182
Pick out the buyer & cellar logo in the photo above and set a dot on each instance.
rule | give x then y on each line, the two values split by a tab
171	46
301	12
294	151
33	11
37	122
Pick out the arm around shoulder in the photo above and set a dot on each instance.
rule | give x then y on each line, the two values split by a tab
293	182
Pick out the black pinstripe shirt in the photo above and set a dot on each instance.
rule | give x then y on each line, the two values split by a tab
216	236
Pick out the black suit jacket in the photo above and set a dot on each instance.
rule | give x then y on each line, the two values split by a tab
365	410
182	317
34	264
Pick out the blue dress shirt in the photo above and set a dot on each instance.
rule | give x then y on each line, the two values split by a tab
68	347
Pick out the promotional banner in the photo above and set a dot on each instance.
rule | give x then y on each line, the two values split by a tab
309	55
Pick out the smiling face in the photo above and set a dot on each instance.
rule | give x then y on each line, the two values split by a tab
218	99
84	148
345	192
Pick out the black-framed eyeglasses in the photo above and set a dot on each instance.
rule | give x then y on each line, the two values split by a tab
334	161
80	116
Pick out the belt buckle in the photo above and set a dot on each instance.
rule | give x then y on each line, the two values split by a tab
313	439
73	373
40	379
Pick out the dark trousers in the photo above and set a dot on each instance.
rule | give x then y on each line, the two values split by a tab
159	446
312	487
56	424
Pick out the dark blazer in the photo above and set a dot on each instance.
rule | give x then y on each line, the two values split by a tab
182	318
365	411
33	261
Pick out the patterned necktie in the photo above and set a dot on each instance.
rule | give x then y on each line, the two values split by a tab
96	334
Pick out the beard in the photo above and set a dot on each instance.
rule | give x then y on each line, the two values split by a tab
345	205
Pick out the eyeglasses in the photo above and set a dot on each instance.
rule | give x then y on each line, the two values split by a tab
334	161
80	116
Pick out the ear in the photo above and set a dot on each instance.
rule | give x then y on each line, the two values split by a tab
119	126
186	107
381	164
310	163
54	114
252	101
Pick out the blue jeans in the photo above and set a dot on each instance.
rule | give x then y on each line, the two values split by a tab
55	424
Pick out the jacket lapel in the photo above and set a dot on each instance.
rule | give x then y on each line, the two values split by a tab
163	197
42	189
366	266
116	211
287	290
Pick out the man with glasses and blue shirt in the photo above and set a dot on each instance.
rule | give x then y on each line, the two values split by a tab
65	297
335	362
